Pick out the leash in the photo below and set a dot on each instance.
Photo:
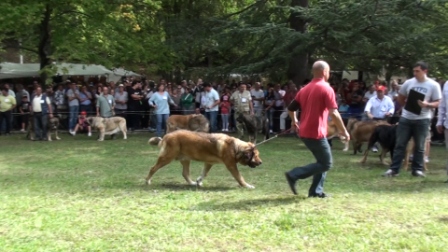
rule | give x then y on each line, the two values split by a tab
275	136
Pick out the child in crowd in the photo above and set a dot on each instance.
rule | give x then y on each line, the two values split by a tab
225	111
82	124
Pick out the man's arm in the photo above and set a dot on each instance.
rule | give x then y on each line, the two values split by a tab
391	107
50	108
337	119
292	109
368	108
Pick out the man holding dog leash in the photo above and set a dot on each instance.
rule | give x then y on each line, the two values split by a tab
316	102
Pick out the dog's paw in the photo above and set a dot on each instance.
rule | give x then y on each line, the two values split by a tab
147	182
199	181
248	186
100	140
57	138
345	150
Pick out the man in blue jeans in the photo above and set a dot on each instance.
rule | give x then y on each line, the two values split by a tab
415	125
316	102
211	105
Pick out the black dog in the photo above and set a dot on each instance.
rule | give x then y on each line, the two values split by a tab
385	135
253	124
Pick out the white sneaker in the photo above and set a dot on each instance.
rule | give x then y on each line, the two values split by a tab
426	159
390	173
89	134
72	132
22	130
375	149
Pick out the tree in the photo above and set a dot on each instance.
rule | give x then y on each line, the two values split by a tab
84	31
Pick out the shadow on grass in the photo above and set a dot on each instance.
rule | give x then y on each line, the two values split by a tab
185	187
248	204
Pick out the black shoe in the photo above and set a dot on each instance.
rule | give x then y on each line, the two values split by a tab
291	183
318	195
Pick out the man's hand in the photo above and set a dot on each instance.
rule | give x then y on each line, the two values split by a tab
252	113
51	115
423	104
370	116
440	129
345	135
97	114
388	114
295	125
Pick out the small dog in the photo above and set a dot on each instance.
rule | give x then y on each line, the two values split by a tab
253	124
360	132
52	128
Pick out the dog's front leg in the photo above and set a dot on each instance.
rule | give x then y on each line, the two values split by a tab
237	175
56	135
49	136
101	130
205	171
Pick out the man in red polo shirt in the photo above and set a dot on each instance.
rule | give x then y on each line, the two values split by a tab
316	101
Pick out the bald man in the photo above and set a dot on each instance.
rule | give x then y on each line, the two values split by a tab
316	101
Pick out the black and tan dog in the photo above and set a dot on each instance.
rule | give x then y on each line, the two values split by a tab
216	148
385	135
52	128
253	125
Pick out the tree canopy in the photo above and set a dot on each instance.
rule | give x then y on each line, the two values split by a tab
277	38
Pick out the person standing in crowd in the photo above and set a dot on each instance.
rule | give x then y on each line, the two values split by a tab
159	101
316	101
442	120
258	98
121	101
7	104
73	105
225	109
24	110
41	108
187	101
415	125
134	105
379	107
211	105
85	99
242	102
105	104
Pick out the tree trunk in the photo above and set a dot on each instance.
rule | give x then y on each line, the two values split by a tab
45	44
298	64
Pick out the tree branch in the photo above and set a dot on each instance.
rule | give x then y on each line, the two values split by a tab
11	46
245	9
73	12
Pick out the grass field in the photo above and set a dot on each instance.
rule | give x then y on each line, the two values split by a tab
78	194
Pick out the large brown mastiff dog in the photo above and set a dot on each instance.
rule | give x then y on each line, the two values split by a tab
108	126
210	149
193	122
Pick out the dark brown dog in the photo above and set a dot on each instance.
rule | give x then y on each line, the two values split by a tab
360	132
253	125
195	122
210	149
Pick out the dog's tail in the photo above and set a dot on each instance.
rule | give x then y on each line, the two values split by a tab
154	140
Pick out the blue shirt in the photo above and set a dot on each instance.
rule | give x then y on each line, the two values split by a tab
161	101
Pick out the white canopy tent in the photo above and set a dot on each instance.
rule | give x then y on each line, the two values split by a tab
13	70
120	72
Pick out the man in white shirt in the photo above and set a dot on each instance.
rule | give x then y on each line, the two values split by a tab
379	107
211	107
258	98
41	109
442	120
412	124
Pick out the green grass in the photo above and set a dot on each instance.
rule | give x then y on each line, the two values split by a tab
78	194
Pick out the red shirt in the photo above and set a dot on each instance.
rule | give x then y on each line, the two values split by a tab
315	100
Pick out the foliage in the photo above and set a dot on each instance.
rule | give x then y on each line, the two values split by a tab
81	195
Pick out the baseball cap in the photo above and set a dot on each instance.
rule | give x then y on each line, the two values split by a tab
83	113
381	88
